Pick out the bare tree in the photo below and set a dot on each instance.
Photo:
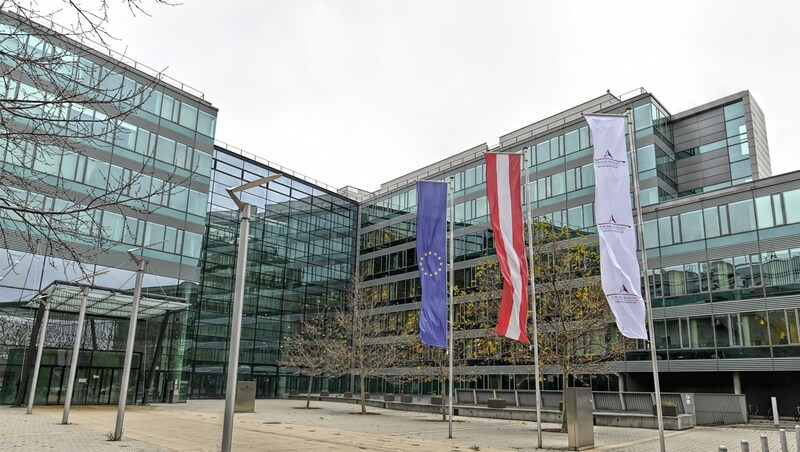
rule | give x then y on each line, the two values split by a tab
577	335
433	363
370	353
57	110
316	349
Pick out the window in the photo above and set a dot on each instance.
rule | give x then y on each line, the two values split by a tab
754	329
792	198
188	117
642	117
692	226
742	216
711	222
571	142
646	158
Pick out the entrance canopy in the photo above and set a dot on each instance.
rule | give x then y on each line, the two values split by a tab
104	302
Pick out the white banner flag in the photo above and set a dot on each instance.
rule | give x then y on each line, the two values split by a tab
619	269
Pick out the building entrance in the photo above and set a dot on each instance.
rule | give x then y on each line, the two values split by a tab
97	380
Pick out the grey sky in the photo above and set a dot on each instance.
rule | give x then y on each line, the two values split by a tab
360	92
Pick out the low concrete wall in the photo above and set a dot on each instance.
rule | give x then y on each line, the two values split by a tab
637	420
420	405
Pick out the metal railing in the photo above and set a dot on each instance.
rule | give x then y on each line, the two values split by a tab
279	168
70	34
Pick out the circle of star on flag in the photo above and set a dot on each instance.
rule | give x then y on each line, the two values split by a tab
438	263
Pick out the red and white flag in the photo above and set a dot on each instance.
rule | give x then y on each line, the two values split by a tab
504	191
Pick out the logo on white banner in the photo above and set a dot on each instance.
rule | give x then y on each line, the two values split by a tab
623	296
608	161
612	226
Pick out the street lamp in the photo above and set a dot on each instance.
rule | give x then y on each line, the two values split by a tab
238	301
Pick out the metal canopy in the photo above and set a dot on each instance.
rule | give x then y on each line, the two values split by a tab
104	302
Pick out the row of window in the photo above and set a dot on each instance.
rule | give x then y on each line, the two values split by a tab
736	217
745	329
84	123
86	77
773	268
93	174
115	227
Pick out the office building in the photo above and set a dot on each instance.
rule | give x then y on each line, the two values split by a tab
721	237
117	156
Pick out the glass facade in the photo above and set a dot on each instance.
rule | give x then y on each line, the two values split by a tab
301	259
562	193
724	269
115	159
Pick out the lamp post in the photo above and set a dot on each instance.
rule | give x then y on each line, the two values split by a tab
245	210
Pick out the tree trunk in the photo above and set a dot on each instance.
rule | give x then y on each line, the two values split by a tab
363	394
564	402
444	400
308	394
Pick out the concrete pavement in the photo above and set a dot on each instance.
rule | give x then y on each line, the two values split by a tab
283	425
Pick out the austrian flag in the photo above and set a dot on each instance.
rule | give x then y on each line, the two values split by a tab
504	191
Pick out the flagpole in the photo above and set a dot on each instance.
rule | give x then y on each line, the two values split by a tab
648	304
535	339
451	185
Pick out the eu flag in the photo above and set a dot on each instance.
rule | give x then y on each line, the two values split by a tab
432	261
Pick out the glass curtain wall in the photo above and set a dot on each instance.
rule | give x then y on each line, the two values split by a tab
301	258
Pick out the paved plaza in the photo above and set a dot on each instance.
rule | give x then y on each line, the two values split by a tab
284	425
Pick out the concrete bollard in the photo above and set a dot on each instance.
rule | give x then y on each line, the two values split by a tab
784	443
797	436
775	418
764	444
745	446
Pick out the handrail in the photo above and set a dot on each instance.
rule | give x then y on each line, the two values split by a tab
47	22
279	168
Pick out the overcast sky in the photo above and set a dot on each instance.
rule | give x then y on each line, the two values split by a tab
360	92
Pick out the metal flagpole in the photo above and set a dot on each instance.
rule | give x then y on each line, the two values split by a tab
451	185
648	305
535	339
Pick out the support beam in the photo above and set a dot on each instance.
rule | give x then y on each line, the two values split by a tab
30	353
76	349
126	365
32	392
151	372
737	382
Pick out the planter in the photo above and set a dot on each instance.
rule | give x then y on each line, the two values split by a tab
437	400
670	411
496	403
348	395
324	393
406	398
388	397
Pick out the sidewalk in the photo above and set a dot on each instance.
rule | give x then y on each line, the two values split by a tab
283	425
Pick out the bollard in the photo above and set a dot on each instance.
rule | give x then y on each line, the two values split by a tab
745	446
784	444
764	444
723	449
797	436
775	417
